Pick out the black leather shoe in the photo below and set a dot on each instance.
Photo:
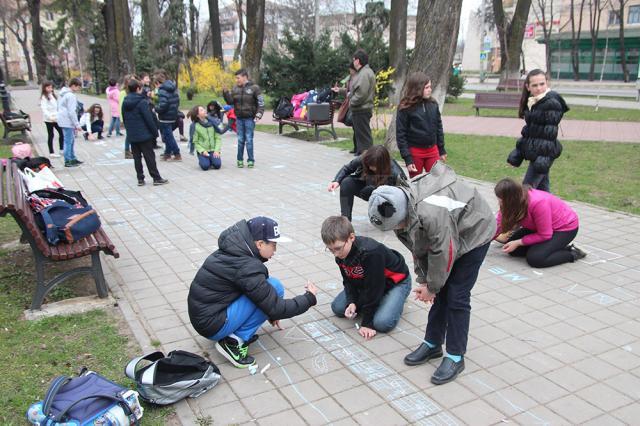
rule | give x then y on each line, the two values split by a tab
448	371
423	354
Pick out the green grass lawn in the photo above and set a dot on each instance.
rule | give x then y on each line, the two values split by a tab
464	107
601	173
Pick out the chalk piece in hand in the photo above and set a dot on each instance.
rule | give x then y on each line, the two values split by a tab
357	326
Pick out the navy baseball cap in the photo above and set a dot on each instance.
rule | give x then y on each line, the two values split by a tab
266	229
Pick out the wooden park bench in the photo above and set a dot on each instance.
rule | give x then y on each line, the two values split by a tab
324	114
13	201
15	122
496	101
510	85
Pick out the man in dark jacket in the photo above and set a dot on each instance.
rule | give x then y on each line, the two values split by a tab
232	293
141	131
362	90
167	110
248	105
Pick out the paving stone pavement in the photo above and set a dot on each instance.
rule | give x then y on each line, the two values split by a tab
551	346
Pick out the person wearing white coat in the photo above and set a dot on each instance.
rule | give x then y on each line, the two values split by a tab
49	106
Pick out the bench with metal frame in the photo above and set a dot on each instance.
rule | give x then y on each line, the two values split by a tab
15	122
296	123
494	100
13	201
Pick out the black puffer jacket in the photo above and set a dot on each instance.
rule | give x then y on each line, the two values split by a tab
236	269
420	127
539	142
247	100
138	119
168	102
354	168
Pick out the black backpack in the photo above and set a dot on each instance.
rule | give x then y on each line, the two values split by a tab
324	95
284	108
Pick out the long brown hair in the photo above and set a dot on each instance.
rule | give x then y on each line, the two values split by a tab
525	91
413	90
514	199
92	111
43	91
377	156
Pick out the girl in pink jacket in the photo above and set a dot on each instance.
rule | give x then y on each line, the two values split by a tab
113	96
536	224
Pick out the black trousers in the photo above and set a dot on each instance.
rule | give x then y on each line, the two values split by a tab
140	149
351	187
547	253
362	130
451	311
536	180
50	127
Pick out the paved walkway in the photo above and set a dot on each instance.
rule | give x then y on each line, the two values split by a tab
552	346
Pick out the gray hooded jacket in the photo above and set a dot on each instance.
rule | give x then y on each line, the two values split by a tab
447	218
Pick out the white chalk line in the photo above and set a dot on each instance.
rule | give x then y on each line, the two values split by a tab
293	385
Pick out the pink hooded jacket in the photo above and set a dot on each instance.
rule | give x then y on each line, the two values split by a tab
113	96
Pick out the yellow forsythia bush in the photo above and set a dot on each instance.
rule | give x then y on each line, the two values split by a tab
209	74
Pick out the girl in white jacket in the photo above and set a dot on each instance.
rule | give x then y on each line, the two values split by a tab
49	106
92	122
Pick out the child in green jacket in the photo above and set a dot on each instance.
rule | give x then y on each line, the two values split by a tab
206	138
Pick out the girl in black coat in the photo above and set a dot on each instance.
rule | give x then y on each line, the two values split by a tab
542	110
363	174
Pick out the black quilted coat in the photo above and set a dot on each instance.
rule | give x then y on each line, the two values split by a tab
237	269
539	142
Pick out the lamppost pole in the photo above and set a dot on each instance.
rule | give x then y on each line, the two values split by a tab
92	44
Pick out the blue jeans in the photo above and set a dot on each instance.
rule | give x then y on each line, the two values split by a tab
69	139
115	124
389	310
170	144
244	317
209	162
245	128
192	130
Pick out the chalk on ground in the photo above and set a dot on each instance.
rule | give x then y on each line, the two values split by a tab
265	368
253	369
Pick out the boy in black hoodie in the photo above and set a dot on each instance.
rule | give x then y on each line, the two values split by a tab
376	278
232	294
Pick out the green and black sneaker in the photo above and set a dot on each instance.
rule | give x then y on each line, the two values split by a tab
236	353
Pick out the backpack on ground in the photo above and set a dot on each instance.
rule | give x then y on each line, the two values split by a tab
169	379
284	108
64	222
88	399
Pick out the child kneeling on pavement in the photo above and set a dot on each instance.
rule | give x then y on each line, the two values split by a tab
232	294
376	278
206	138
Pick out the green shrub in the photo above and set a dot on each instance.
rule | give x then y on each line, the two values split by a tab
18	82
456	87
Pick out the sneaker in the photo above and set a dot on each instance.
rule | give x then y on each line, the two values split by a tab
160	182
128	155
253	339
76	161
236	353
240	164
165	157
70	164
141	183
250	164
54	155
108	135
177	157
183	139
577	253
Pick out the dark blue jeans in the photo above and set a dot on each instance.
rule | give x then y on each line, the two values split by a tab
209	162
451	310
245	128
170	144
536	180
389	310
244	317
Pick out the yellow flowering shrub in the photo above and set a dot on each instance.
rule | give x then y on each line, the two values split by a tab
209	74
381	99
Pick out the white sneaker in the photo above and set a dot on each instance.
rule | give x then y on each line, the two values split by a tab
54	155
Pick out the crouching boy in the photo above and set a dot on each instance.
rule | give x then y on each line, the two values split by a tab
232	294
376	278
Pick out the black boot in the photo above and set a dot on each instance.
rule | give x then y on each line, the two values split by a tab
423	354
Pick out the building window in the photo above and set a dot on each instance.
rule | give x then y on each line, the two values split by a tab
614	18
48	16
634	15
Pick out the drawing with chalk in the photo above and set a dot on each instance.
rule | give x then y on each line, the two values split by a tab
376	278
448	227
536	225
232	294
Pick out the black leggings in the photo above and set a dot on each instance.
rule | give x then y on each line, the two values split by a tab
351	187
547	253
50	127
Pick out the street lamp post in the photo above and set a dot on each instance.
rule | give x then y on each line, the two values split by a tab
92	44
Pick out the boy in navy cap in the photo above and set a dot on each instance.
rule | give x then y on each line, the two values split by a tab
232	294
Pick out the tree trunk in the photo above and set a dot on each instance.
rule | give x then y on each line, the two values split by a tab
623	50
21	35
238	51
216	36
193	17
255	37
37	40
501	29
595	12
575	40
513	39
118	31
437	26
151	22
547	29
398	46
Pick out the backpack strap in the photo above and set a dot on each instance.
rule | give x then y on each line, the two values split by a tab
53	390
130	369
115	398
